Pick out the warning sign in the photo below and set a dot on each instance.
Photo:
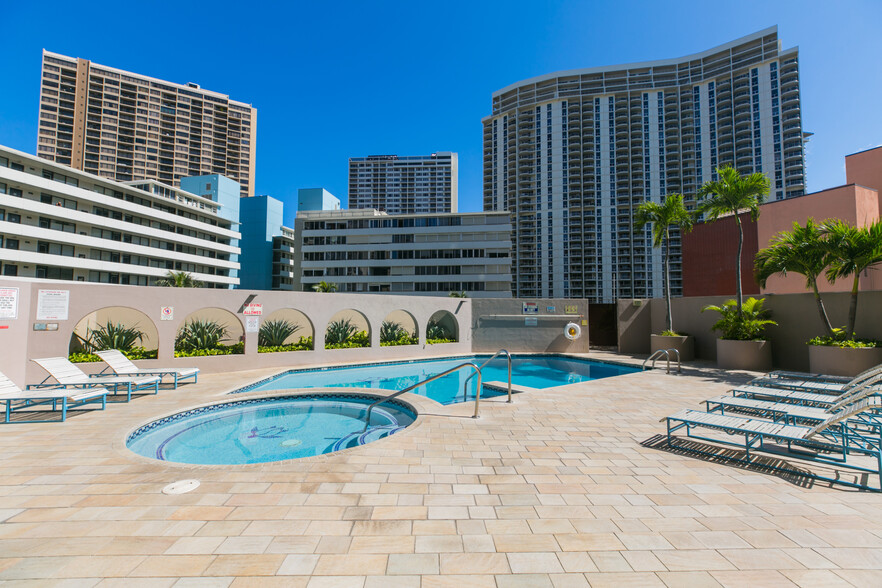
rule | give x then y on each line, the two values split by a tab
253	309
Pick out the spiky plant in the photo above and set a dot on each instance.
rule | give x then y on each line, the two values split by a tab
275	333
435	330
200	334
339	332
391	331
324	286
110	336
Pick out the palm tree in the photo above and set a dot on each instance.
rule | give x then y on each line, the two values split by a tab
455	294
853	250
670	212
324	286
802	251
731	194
179	280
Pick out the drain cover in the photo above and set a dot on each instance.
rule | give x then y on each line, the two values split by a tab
290	442
181	487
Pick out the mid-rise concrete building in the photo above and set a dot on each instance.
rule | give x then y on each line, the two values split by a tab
126	126
60	223
371	251
260	222
406	184
316	199
573	154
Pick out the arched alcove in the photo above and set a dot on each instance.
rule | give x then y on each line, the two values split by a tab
399	328
286	329
115	327
442	328
347	329
210	331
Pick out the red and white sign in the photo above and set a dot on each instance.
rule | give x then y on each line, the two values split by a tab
253	310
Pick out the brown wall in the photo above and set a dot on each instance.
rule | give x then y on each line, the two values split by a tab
499	324
709	257
796	314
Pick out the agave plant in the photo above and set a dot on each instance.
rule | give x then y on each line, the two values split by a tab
275	333
748	326
339	332
435	330
200	334
391	331
111	336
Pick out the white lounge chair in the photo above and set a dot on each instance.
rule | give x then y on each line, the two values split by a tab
123	366
16	398
67	374
830	384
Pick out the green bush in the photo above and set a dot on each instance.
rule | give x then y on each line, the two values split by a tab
275	333
235	349
748	327
672	334
440	340
199	335
394	334
304	344
435	330
135	353
359	339
840	338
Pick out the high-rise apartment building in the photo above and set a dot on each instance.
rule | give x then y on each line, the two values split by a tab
404	185
573	154
125	126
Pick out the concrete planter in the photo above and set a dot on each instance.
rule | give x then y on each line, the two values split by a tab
840	361
754	356
685	345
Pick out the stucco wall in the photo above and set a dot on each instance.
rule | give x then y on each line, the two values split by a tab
19	342
500	324
796	314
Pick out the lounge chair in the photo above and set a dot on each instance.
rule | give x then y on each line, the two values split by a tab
829	384
17	398
832	442
807	398
122	366
793	414
67	374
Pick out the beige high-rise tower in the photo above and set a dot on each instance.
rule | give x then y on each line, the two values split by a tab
125	126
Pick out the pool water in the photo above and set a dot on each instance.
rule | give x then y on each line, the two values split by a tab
531	370
264	430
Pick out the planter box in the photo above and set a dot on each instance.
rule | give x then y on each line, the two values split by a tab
685	345
839	361
754	356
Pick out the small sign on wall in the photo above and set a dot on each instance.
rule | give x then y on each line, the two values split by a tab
253	310
166	313
252	324
531	308
8	303
549	309
531	321
52	305
571	309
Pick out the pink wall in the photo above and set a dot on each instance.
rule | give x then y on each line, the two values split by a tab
865	169
853	204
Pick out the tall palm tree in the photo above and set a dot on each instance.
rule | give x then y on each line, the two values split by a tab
802	251
670	213
730	194
179	280
324	286
853	250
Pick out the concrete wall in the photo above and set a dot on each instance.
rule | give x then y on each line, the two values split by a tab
499	324
796	314
19	342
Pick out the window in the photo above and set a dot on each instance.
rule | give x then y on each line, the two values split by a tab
57	225
11	243
10	270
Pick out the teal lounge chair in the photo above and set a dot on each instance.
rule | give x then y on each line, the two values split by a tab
69	375
16	398
122	366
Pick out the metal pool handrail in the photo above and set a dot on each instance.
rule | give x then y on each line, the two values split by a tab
370	409
500	352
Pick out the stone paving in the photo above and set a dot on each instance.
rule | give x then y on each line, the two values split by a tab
566	487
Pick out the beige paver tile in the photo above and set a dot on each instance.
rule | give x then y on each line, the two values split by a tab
534	563
688	579
524	581
853	558
438	544
392	582
685	560
474	563
173	565
336	582
245	565
382	544
194	546
413	564
624	580
350	565
453	581
739	578
246	544
298	565
589	542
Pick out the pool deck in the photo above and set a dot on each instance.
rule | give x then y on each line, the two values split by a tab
563	488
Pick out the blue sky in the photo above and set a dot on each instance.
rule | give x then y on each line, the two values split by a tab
332	80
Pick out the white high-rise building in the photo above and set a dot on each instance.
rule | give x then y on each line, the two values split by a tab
404	185
573	154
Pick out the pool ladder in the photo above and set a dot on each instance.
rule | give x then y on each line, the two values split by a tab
667	354
465	386
370	409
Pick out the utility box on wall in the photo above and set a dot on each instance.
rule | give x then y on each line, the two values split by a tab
528	325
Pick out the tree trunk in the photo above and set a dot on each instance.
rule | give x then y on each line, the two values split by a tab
821	309
667	246
738	265
852	308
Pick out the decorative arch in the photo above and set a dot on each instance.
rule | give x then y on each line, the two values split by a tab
296	318
442	322
353	321
235	330
100	322
407	328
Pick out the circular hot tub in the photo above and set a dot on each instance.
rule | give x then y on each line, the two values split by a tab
263	430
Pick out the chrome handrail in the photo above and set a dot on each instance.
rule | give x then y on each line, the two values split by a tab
501	351
370	409
657	355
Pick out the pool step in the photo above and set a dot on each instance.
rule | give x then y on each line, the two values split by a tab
372	434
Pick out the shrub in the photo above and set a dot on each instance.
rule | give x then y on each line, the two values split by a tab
110	336
304	344
439	340
359	339
672	334
274	333
394	334
135	353
339	332
435	330
200	335
236	348
840	338
747	327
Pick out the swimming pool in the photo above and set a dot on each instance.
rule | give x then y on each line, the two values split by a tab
533	371
268	429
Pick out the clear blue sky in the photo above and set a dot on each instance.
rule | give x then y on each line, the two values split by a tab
332	80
